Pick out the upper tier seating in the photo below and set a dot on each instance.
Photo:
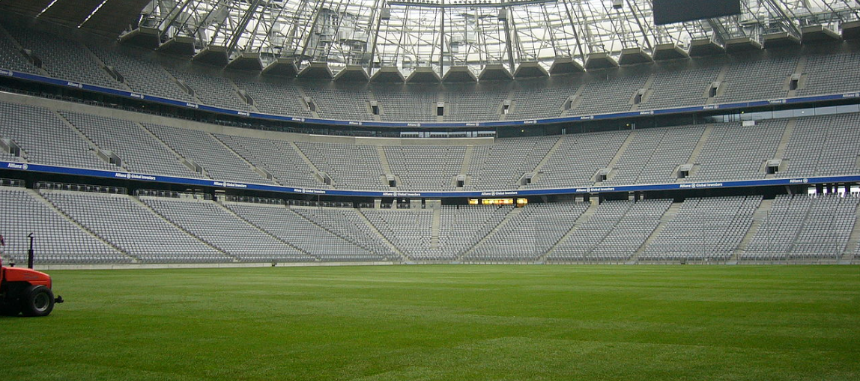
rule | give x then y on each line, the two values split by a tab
275	97
466	103
754	78
340	102
415	103
64	59
614	94
537	99
741	77
140	74
831	74
677	86
11	58
209	89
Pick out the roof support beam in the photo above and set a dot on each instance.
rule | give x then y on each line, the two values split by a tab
573	26
793	29
173	15
641	28
246	18
311	30
508	43
442	42
383	11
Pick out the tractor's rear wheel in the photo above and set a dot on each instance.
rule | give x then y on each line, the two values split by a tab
37	301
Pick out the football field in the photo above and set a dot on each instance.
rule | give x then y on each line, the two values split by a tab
447	322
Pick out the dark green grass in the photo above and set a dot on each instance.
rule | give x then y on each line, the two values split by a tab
445	323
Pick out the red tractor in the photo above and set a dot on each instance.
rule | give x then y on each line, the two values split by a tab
25	291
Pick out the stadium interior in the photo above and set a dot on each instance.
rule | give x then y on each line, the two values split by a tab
232	133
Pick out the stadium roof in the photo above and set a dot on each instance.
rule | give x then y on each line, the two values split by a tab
441	34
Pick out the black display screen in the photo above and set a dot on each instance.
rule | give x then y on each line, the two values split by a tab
672	11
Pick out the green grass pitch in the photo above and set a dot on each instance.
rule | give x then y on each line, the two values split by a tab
445	322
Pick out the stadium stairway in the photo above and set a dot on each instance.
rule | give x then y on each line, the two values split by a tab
783	144
801	66
630	137
545	159
95	148
464	169
403	258
383	161
758	217
699	146
435	227
664	221
510	216
720	78
576	99
307	161
584	217
648	91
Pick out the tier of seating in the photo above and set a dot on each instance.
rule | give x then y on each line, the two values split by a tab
654	154
84	228
803	147
718	79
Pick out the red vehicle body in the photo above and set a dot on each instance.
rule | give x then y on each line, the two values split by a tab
26	291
